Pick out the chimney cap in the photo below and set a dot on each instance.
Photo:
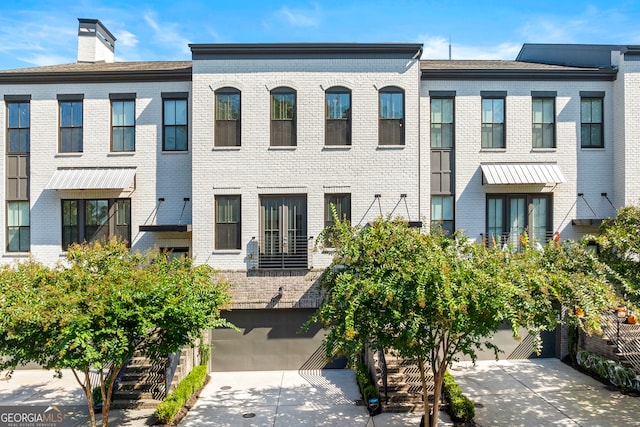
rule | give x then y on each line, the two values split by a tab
89	27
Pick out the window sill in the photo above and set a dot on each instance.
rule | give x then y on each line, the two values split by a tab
75	154
390	147
282	147
543	150
227	148
121	153
493	150
593	148
226	252
336	148
175	152
17	254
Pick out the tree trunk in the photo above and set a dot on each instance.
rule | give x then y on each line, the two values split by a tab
425	394
106	400
438	379
86	387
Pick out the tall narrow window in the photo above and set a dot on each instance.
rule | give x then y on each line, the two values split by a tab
18	229
441	122
71	126
227	132
18	127
442	214
493	132
510	215
123	125
228	226
283	117
591	118
391	122
338	114
175	137
544	122
283	232
342	205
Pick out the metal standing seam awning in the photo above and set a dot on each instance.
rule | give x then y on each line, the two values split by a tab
92	179
521	173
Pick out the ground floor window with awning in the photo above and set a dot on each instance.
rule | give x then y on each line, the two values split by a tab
92	179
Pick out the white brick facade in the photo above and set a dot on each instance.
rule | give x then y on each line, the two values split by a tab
382	180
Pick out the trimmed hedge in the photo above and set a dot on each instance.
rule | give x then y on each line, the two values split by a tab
171	405
461	408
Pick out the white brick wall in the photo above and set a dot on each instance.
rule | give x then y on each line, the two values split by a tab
158	174
363	169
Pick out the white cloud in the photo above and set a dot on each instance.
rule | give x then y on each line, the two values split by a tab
301	17
39	60
437	47
168	35
125	38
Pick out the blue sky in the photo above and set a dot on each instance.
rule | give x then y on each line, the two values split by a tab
44	32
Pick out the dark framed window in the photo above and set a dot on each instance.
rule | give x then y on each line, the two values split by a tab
175	252
175	127
544	122
18	127
283	117
493	120
283	240
71	126
227	126
88	220
228	222
391	116
591	123
123	125
341	202
338	116
18	226
510	215
442	123
442	214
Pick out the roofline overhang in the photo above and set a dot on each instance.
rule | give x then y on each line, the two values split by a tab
479	74
316	50
166	228
35	77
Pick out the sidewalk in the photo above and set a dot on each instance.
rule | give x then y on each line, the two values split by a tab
541	392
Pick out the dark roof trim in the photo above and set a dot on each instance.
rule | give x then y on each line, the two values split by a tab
305	50
493	93
91	26
475	74
180	228
35	77
17	98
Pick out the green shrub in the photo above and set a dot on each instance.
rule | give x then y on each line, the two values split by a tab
606	369
171	405
96	394
205	353
461	408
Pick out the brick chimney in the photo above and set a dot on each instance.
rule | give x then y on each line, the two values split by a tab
95	42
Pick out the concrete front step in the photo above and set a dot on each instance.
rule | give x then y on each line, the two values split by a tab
135	404
139	385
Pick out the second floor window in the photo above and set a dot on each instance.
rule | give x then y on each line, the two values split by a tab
391	121
591	120
18	127
71	126
175	136
441	122
123	125
227	126
493	132
283	117
338	115
544	123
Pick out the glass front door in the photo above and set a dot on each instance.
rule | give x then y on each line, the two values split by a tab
283	232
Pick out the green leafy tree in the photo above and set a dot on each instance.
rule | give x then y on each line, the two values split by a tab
619	248
430	298
104	303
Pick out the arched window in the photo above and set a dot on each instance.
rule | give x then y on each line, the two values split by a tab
227	126
338	116
283	117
